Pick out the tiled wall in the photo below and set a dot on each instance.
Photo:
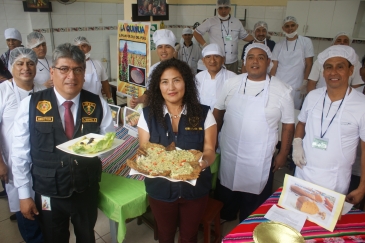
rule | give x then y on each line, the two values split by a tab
97	21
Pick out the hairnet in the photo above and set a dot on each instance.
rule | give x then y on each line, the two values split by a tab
260	24
257	45
223	3
81	40
12	33
187	31
341	34
34	39
212	49
22	52
164	37
346	52
290	18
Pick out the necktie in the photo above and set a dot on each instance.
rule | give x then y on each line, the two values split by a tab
69	119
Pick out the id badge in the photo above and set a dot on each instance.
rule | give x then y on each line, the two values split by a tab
228	37
46	203
320	143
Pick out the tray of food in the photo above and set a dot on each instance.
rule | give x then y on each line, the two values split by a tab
171	163
91	145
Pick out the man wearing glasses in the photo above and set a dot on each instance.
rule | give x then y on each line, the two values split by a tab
66	186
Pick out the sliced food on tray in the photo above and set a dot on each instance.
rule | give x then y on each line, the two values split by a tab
89	144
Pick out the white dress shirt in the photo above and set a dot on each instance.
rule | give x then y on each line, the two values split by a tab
21	147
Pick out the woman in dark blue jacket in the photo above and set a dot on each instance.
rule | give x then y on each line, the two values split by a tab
174	114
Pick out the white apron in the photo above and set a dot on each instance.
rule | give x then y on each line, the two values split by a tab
210	94
328	168
92	82
247	143
291	69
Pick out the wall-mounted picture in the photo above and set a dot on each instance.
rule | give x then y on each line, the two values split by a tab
34	5
137	75
151	7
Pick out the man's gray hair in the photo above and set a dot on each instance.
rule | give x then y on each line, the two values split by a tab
68	50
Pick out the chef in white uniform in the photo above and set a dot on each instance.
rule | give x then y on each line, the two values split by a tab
226	31
165	47
189	52
210	82
37	43
95	74
252	105
316	79
23	62
293	59
13	40
331	122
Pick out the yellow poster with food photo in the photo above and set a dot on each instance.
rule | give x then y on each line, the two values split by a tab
133	57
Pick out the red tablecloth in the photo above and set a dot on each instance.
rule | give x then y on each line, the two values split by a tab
351	227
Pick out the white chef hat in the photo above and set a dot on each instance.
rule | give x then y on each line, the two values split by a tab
187	31
81	40
212	49
257	45
223	3
34	39
346	52
290	18
341	34
12	33
22	52
260	24
164	37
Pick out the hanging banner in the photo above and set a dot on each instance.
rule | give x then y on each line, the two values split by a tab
133	57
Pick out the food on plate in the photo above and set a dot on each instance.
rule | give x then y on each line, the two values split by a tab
137	75
306	205
91	145
301	192
156	160
132	119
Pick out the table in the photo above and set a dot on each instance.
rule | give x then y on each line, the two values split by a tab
351	227
121	196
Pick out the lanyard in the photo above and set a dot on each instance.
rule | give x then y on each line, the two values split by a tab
294	44
43	64
324	101
224	27
187	59
244	90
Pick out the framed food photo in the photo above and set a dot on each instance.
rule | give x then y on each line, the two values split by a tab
131	118
321	205
115	110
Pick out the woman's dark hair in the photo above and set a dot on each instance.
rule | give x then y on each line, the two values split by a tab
156	101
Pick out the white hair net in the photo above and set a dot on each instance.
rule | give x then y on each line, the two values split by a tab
290	18
257	45
22	52
260	24
341	34
212	49
223	3
346	52
187	31
34	39
81	40
12	33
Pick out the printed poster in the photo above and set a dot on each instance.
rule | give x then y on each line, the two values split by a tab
322	206
115	110
131	118
133	57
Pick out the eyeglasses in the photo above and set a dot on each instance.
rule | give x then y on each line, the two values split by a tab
66	70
